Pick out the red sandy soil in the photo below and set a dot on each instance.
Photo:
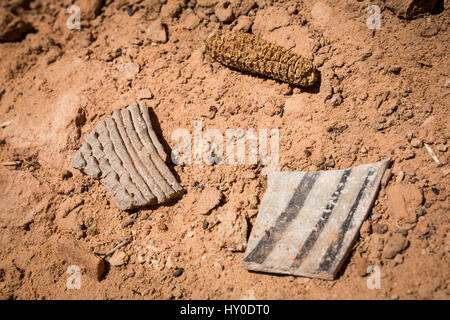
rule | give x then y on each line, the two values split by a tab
383	93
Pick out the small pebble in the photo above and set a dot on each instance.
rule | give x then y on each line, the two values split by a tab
447	83
336	100
205	225
127	223
436	191
386	177
400	177
292	9
330	163
408	154
162	226
416	143
398	259
66	175
380	228
178	272
421	211
395	69
442	148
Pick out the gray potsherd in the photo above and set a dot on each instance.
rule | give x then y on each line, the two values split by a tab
125	154
308	221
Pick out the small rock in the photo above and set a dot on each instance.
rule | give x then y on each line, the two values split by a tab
141	259
209	199
421	212
205	225
398	259
411	8
218	266
208	111
408	154
400	177
52	55
6	123
404	200
307	152
157	32
336	100
395	244
365	229
171	9
361	265
317	159
380	228
436	191
378	242
286	90
92	230
90	8
395	69
442	147
86	39
170	263
78	254
80	234
69	205
144	94
191	21
416	143
271	108
248	175
386	177
119	258
127	223
242	7
12	28
269	19
244	24
206	3
129	70
447	83
423	228
233	231
111	55
329	163
292	9
224	12
178	272
66	174
162	226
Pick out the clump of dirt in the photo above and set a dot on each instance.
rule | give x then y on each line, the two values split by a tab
383	92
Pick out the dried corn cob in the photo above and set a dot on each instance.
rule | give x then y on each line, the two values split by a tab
249	53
